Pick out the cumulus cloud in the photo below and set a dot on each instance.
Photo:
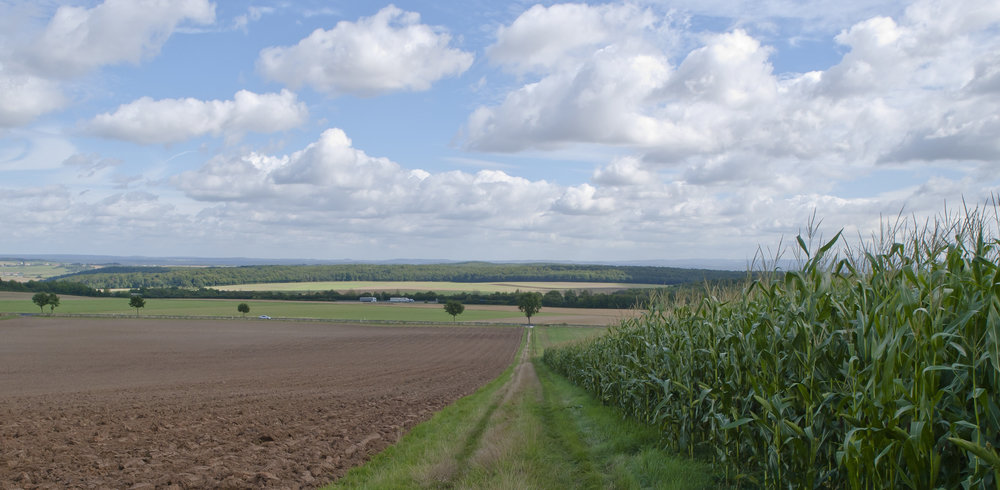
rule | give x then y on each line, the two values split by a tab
101	222
331	174
25	97
333	191
79	39
628	171
601	102
583	199
914	87
149	121
332	183
722	152
544	37
390	51
35	65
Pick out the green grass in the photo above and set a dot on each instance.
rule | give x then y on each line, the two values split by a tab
553	336
625	454
429	453
544	434
416	312
441	287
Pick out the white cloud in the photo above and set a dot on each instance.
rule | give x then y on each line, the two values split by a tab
334	192
134	222
387	52
78	39
332	179
25	97
909	88
601	102
626	171
254	13
723	152
149	121
545	37
583	199
35	64
622	95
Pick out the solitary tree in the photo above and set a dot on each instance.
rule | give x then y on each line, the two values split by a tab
136	302
454	308
40	299
53	302
243	308
529	303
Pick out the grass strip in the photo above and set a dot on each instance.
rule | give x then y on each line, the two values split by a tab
430	455
530	428
623	453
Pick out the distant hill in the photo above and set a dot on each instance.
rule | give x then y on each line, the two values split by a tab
122	276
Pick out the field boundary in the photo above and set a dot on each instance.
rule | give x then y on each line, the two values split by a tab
353	321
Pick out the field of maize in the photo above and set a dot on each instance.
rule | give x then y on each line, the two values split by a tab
876	366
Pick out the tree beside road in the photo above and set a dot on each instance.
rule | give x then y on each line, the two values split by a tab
46	299
454	308
529	303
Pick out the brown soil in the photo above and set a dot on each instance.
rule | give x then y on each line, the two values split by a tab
221	404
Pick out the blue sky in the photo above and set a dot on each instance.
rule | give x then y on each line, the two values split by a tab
647	130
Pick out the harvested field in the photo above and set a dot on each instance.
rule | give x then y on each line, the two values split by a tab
227	404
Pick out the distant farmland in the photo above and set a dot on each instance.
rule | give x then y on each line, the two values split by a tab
18	303
435	286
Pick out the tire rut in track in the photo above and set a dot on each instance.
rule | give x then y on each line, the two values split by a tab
494	436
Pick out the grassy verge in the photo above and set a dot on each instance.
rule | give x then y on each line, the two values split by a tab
430	453
277	309
530	428
16	303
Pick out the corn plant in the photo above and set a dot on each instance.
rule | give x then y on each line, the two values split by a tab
868	367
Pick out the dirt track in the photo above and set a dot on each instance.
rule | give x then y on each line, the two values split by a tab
230	404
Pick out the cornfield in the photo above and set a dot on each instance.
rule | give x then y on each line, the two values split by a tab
872	367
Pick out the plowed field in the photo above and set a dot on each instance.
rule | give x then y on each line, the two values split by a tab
222	404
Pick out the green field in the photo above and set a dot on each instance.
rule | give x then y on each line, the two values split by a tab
414	312
435	286
555	336
275	309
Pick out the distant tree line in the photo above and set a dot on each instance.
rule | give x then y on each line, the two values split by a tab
57	287
583	298
117	277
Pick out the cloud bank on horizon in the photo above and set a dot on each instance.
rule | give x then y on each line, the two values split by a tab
571	131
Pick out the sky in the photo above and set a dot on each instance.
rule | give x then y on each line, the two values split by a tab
484	130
